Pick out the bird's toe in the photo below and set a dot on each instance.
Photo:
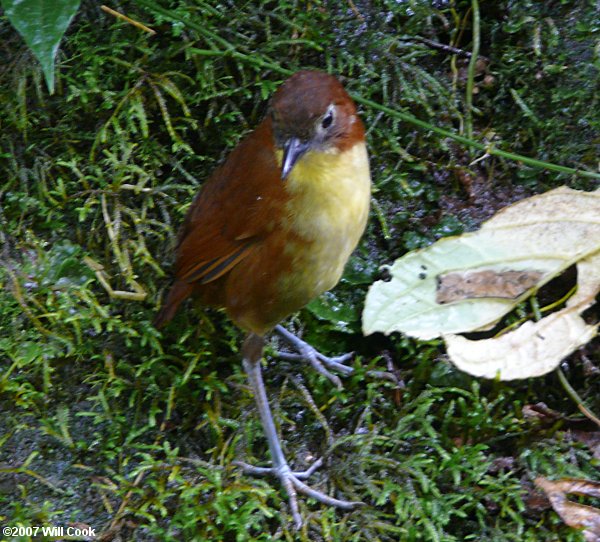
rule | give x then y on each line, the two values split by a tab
292	481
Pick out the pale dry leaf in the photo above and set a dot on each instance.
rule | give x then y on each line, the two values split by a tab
539	236
467	283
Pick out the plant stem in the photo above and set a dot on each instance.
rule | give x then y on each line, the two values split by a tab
213	38
575	397
489	149
471	70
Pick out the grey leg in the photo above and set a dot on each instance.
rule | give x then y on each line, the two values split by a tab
291	481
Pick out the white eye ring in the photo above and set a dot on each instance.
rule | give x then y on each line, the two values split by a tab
327	120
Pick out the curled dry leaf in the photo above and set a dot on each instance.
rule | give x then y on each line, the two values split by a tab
534	348
578	516
541	413
468	283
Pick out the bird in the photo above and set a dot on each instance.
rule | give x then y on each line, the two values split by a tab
272	228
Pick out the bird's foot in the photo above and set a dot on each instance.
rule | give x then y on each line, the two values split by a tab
292	483
321	363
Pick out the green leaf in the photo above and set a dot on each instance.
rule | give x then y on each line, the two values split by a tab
330	308
42	23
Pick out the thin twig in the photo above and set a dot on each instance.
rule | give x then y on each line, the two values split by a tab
308	398
450	49
137	24
355	10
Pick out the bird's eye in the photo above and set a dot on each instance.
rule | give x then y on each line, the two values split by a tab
327	120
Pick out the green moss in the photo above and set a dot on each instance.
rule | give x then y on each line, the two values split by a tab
108	422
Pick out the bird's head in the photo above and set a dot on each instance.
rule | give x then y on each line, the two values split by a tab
311	112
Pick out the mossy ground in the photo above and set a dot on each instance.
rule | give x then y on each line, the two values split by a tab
107	422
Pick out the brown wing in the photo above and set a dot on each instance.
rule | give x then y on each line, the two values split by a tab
235	210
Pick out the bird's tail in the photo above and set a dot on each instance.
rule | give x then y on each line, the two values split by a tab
179	292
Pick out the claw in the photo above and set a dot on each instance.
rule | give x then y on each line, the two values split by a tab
319	362
265	471
293	485
322	363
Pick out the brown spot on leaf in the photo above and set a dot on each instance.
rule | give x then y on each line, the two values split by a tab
458	286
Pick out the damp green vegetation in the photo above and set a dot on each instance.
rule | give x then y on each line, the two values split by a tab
109	423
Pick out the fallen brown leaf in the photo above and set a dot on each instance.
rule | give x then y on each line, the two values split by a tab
578	516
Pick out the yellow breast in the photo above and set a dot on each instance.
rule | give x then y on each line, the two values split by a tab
327	211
